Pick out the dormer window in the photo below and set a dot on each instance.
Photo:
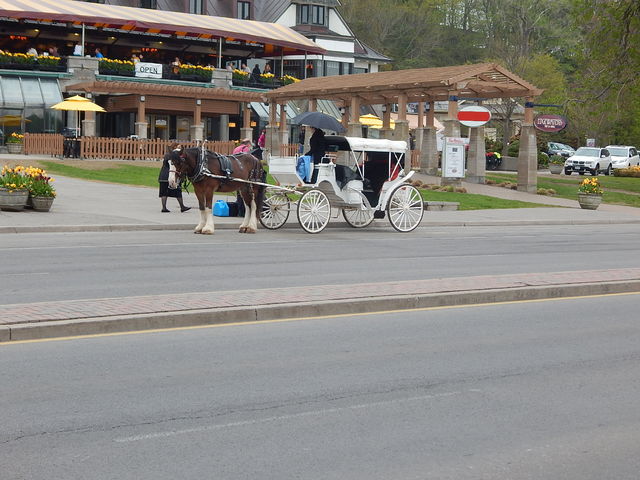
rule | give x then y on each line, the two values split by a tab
309	14
244	10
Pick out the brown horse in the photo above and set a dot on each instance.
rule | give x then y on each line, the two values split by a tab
211	172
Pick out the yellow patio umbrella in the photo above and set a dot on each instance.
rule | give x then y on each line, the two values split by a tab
12	120
78	103
372	121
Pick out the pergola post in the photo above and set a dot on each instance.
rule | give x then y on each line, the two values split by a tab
284	131
385	131
355	127
401	132
89	122
246	131
429	148
197	129
272	142
451	124
141	119
224	128
528	152
476	161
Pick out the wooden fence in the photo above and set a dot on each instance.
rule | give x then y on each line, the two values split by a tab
289	149
43	144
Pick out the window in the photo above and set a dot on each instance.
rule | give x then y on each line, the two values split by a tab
311	14
196	6
153	4
244	10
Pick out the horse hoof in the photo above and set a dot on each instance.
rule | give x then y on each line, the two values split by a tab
206	232
242	230
197	231
250	230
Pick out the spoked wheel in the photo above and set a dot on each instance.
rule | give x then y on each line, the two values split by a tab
357	217
405	208
275	209
314	211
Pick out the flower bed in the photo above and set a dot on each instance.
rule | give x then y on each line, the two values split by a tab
195	72
109	66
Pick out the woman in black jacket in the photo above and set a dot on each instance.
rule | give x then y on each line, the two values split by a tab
317	145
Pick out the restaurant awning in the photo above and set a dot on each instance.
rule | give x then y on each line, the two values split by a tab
130	19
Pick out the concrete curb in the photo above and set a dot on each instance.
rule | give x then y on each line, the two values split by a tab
153	321
294	225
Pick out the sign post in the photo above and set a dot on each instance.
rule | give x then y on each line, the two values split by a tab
453	157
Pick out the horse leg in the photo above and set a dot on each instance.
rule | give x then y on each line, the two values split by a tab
201	204
208	227
250	222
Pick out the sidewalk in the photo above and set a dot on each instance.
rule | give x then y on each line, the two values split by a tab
94	206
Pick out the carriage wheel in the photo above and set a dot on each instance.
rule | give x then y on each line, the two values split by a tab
275	209
314	211
405	208
357	217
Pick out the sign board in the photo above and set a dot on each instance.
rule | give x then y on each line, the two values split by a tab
591	142
474	116
550	123
453	157
149	70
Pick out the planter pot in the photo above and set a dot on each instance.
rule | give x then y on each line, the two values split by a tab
14	147
42	204
13	200
589	201
556	168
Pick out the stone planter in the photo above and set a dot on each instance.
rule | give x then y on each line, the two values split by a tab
14	147
42	204
556	168
589	201
13	200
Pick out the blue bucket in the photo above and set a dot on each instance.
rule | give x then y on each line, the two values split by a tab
221	209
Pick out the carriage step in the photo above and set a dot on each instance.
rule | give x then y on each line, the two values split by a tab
441	206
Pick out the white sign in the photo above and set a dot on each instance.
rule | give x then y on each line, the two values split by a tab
474	116
453	157
149	70
591	142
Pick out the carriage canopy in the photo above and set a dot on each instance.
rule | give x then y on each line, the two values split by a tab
357	144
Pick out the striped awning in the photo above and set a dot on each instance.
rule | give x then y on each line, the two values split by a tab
159	22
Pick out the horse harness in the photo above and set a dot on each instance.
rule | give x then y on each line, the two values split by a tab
201	169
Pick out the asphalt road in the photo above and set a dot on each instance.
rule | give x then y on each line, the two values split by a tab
64	266
539	390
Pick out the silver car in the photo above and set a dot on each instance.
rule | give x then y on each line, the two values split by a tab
589	159
623	156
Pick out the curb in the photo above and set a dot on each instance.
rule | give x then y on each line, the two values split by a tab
192	318
294	225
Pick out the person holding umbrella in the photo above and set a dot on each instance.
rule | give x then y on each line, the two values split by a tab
317	145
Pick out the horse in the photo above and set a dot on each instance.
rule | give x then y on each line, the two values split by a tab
211	172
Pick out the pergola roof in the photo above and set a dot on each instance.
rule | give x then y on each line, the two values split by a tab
158	22
138	88
483	80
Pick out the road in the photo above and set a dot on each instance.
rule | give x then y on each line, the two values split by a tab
65	266
534	390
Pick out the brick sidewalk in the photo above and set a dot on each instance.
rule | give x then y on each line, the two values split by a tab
103	308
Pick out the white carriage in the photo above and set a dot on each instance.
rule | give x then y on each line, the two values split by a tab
372	185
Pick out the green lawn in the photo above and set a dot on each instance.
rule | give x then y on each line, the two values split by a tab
566	186
472	201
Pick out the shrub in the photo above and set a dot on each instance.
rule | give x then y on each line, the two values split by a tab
627	172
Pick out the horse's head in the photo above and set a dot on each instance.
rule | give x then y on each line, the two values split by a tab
178	166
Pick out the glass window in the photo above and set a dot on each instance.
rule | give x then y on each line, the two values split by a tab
153	4
12	92
50	91
317	14
244	10
332	68
31	92
312	14
196	6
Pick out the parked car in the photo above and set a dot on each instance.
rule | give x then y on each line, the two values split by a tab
589	159
623	156
555	148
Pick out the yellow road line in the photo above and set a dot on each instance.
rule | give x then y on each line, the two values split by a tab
317	317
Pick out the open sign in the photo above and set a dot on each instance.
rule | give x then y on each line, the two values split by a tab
550	123
149	70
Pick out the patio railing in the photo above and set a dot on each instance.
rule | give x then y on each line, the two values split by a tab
43	144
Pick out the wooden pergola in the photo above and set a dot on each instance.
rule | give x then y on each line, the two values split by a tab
425	86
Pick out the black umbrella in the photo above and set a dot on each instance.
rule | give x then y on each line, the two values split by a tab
319	120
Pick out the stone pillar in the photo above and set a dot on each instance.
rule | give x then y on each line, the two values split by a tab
224	128
197	129
246	131
476	160
272	142
355	127
89	124
141	119
528	152
429	145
